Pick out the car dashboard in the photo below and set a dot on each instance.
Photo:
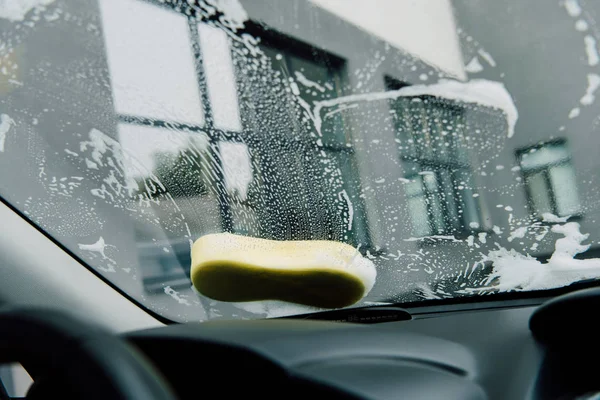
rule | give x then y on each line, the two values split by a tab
522	352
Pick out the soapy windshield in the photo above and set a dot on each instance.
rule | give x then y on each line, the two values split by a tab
455	144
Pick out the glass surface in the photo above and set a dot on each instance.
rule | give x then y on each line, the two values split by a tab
567	200
438	137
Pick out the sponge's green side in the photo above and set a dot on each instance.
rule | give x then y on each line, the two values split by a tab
321	274
324	288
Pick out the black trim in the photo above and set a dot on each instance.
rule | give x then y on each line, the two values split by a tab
428	162
393	83
224	205
155	123
494	297
277	40
84	264
358	315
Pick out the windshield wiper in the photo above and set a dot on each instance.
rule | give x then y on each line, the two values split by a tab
358	315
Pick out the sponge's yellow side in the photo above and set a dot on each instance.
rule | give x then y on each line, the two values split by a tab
317	273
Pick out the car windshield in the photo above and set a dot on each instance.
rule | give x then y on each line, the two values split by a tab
454	143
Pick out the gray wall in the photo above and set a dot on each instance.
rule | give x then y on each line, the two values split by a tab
541	59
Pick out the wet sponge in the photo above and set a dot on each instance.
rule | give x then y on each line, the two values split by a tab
317	273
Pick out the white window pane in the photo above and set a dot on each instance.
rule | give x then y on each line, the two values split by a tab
237	168
565	190
220	78
418	214
151	62
145	145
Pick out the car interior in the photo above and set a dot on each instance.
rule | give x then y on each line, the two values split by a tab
445	143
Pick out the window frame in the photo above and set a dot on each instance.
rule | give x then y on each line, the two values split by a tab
215	135
545	170
336	66
426	164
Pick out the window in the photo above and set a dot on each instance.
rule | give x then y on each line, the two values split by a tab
318	73
549	179
441	194
175	130
191	138
153	95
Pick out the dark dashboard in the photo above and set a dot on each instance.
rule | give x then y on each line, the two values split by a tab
507	350
485	354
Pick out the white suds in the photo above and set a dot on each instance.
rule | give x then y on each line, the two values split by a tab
16	10
549	217
487	57
593	85
294	88
340	109
99	247
573	8
169	291
574	113
275	308
591	50
478	91
482	237
581	25
515	271
426	292
518	233
5	123
307	82
470	240
474	66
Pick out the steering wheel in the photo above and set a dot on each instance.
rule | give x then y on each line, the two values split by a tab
70	359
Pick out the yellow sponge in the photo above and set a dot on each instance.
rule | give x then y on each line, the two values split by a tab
317	273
